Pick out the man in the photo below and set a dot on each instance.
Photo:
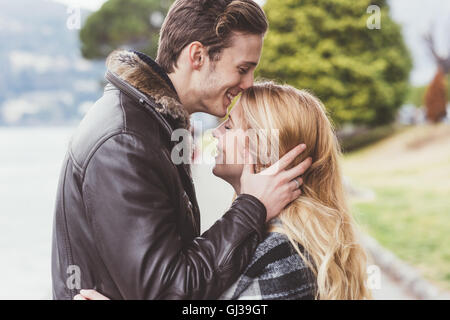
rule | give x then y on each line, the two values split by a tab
127	221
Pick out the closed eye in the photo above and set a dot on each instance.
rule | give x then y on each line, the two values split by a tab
243	71
227	123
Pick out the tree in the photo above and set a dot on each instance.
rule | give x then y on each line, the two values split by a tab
123	23
325	46
435	96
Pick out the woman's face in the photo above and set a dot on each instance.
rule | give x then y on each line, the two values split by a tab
230	147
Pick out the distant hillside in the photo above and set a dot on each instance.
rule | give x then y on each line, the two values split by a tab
43	78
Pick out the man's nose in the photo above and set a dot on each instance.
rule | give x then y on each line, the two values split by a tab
247	81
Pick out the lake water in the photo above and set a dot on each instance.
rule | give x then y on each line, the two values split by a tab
30	161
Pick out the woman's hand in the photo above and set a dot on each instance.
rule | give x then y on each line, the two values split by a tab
90	295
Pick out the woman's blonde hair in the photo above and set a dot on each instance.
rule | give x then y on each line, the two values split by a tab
319	220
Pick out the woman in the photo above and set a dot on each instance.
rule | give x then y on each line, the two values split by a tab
311	250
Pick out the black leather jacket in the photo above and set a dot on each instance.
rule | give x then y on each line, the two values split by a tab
127	221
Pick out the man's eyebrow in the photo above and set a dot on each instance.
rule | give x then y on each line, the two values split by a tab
250	63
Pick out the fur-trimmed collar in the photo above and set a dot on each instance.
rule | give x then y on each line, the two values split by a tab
148	78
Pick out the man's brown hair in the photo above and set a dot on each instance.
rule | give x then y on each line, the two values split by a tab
211	22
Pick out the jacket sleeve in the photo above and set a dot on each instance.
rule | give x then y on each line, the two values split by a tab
127	199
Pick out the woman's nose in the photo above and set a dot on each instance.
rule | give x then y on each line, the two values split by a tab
215	133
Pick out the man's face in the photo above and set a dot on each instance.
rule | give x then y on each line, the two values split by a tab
218	82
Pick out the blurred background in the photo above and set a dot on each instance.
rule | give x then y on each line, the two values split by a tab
382	72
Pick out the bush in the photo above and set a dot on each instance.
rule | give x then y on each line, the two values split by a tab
324	45
123	23
363	137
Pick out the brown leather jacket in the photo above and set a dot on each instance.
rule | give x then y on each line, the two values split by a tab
127	221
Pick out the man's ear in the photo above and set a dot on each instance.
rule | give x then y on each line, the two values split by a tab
197	55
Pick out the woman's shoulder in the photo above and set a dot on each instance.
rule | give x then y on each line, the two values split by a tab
276	249
276	271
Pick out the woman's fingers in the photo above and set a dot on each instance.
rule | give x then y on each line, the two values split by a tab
79	297
92	295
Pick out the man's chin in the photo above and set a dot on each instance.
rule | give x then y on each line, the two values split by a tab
222	112
215	171
219	113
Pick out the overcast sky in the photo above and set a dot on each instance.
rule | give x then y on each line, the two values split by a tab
415	16
96	4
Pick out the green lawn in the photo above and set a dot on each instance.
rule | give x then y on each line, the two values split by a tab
410	215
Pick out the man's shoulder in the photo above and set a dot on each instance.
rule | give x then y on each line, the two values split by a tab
112	115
